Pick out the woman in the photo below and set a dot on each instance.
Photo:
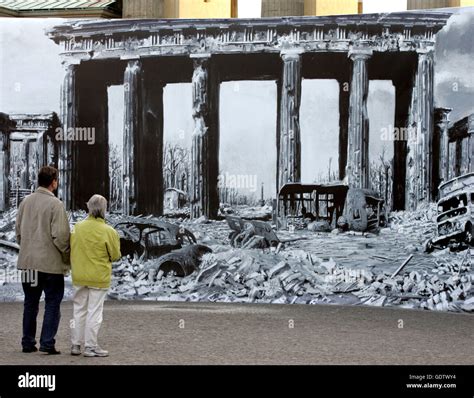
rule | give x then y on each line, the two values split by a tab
94	246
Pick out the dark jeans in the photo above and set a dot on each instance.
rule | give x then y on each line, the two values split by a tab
34	284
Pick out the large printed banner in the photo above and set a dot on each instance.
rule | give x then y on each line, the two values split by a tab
305	160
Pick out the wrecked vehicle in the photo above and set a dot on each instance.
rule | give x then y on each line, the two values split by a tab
175	246
364	210
323	207
181	262
251	234
151	238
455	214
319	205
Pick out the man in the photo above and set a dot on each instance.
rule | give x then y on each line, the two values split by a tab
42	231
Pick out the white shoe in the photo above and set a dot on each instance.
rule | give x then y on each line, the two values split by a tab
95	352
75	349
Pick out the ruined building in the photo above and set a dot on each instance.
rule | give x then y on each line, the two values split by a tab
146	55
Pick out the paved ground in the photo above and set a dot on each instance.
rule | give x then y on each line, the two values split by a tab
208	333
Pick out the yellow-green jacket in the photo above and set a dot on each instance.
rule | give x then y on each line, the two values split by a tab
94	246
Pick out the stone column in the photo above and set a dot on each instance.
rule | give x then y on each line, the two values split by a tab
25	155
4	169
51	150
69	116
453	160
344	93
425	123
358	151
41	150
442	139
289	152
204	152
466	156
132	124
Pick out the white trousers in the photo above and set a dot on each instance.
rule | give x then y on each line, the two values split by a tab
88	308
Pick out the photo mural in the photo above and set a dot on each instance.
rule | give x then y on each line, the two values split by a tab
299	160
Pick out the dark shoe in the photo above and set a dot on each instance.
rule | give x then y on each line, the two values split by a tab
50	351
29	349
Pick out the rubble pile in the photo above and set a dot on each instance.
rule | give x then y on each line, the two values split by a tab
247	212
446	288
8	258
305	270
7	225
419	225
294	276
182	213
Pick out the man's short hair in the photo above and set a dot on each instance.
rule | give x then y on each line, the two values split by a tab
46	176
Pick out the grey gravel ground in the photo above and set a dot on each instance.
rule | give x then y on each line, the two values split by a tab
211	333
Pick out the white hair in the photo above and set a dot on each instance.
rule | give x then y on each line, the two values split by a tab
97	206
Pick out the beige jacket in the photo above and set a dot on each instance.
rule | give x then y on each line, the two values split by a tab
42	231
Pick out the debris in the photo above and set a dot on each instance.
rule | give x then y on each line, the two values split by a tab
468	305
402	266
10	245
142	290
251	234
280	267
201	220
182	262
206	272
376	301
319	226
278	248
325	268
346	287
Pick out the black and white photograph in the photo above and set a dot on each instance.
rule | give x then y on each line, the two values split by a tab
236	182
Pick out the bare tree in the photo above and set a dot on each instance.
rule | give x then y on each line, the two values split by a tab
381	177
175	164
116	178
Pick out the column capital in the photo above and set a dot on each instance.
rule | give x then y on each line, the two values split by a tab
70	63
425	53
360	53
293	54
424	50
442	114
133	62
134	66
69	68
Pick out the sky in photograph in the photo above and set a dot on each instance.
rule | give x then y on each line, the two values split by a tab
31	74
